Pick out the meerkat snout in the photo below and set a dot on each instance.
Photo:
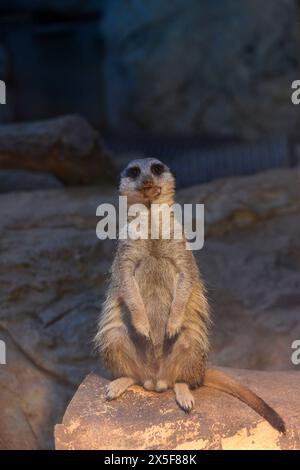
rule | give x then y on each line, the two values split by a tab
149	188
147	183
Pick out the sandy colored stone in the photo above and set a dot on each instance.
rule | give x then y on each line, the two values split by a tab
148	420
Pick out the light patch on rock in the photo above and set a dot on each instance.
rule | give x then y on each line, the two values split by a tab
199	444
262	437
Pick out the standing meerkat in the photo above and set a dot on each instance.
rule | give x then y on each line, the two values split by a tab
154	326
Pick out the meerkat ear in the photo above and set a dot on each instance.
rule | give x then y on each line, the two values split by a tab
120	176
173	173
119	179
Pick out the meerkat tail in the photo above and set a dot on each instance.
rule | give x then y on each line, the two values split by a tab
221	381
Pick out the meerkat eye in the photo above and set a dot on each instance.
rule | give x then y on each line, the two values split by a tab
133	172
157	169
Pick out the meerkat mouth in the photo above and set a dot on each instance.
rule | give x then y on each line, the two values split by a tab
151	192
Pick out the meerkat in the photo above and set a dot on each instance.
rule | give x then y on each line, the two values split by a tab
154	325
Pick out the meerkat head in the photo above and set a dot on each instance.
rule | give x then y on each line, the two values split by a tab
147	181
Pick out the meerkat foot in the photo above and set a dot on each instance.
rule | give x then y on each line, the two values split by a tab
184	397
118	386
149	384
161	386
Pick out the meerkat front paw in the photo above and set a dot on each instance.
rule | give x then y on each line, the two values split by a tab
173	328
142	328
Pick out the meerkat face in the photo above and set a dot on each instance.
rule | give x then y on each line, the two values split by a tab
147	180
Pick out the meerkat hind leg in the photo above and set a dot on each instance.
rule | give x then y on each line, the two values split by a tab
161	385
118	386
149	385
184	397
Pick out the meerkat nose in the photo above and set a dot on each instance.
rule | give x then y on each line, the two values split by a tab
147	183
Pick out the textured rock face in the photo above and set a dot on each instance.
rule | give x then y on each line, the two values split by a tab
251	265
53	270
22	180
52	276
67	147
147	420
201	66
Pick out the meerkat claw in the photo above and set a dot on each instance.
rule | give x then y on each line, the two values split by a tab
184	397
172	330
143	330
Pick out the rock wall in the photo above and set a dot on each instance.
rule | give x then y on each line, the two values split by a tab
251	264
52	274
67	147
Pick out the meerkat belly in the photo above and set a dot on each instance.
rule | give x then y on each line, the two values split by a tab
156	279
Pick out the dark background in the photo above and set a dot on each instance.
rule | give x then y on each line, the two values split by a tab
210	68
183	76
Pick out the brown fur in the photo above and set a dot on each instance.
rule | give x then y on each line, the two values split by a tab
154	326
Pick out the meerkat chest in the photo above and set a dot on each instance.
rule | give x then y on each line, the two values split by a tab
156	277
156	269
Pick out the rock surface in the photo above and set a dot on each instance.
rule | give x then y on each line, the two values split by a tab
251	264
147	420
22	180
52	275
66	146
53	271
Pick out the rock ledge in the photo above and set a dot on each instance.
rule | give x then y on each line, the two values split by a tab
147	420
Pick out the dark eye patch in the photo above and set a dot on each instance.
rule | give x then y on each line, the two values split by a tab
157	169
133	172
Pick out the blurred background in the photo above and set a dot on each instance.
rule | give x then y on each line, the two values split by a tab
204	86
174	78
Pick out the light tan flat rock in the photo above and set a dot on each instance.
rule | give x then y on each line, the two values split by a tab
147	420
